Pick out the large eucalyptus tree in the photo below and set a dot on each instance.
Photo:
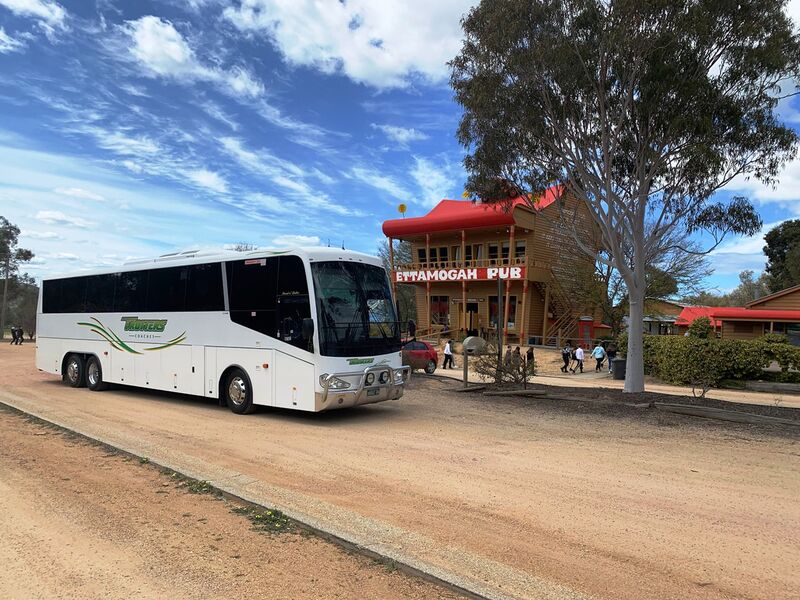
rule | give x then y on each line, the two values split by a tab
643	110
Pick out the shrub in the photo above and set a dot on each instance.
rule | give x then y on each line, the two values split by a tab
512	369
701	328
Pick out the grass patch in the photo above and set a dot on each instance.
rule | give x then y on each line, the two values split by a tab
191	485
266	520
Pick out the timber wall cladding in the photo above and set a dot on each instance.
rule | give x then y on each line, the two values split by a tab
790	301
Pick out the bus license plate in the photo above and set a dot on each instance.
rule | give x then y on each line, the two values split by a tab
373	392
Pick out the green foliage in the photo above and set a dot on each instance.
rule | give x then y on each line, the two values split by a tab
701	328
783	255
750	288
706	362
266	520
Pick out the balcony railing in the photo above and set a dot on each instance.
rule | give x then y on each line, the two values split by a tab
519	261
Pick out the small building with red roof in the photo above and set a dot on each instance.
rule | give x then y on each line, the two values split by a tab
464	252
744	323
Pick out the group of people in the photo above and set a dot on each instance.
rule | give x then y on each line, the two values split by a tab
573	357
514	357
16	336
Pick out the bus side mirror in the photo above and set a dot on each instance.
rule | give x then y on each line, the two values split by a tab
308	328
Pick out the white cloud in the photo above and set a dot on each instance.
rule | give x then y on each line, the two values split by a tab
296	240
286	175
9	44
49	14
122	143
56	217
63	256
79	193
401	135
786	192
380	181
214	110
42	235
382	44
208	179
163	52
270	203
435	182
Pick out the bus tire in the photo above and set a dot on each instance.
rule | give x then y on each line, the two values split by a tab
75	371
94	375
238	392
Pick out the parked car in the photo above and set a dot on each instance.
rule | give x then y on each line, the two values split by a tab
420	355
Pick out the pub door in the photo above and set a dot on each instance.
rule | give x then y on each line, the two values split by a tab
472	318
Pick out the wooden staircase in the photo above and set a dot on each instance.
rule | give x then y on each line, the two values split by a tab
565	312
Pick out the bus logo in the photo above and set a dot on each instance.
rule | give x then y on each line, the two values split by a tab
150	325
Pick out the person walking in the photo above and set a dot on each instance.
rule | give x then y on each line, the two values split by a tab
579	356
20	335
13	335
448	355
566	356
612	354
529	361
599	354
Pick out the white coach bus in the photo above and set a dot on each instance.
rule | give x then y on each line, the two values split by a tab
308	329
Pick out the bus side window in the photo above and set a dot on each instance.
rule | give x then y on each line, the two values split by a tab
166	289
73	294
100	293
51	296
131	291
204	291
252	297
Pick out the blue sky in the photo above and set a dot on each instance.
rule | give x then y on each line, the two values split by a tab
131	129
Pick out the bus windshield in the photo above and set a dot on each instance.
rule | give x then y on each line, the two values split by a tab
355	309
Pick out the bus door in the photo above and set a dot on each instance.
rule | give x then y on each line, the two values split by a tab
292	309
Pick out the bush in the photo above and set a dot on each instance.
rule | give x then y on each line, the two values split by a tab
512	369
701	328
705	362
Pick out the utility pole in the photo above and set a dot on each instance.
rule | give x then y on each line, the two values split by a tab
499	327
5	298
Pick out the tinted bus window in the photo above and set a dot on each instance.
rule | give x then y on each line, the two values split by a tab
51	295
252	293
293	304
100	293
73	294
166	289
204	291
131	292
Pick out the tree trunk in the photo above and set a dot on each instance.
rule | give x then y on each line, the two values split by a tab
634	369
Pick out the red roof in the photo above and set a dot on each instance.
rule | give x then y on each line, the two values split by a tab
451	215
690	313
717	314
736	312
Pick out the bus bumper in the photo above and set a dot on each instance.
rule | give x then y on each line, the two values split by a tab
361	393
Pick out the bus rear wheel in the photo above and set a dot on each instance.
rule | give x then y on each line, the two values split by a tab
238	392
75	371
94	375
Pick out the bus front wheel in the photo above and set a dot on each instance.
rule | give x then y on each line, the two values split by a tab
75	371
238	393
94	375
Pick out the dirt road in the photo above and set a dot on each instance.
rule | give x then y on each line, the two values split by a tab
80	521
611	505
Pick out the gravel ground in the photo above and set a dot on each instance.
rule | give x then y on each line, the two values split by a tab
82	521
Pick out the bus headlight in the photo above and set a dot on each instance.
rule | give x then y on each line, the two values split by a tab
333	383
384	377
369	379
398	377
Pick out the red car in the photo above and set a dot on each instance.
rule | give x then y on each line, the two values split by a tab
420	355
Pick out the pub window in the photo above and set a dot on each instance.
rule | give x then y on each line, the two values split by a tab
776	327
443	254
131	291
204	290
493	253
477	251
166	289
421	255
440	310
434	256
455	251
519	250
100	293
468	253
505	249
512	310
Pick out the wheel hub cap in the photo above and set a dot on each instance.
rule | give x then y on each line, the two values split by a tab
72	370
237	391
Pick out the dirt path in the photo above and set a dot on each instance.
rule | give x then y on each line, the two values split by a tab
79	521
608	504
